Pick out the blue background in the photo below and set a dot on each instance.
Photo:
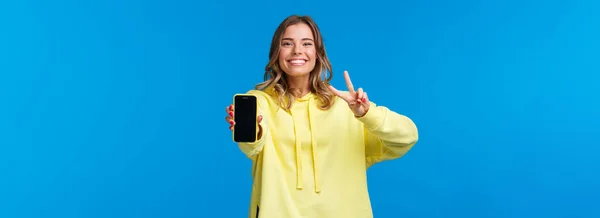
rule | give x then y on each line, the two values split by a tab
116	109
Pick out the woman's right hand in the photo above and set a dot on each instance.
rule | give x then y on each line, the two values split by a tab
230	120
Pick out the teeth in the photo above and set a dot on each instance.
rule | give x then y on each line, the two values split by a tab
297	61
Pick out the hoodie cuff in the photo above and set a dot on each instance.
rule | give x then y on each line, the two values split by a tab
373	117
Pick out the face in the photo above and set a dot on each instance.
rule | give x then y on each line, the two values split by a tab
297	54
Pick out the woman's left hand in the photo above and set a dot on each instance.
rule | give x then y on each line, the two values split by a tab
357	100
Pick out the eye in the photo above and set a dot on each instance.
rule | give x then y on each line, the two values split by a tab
308	44
286	43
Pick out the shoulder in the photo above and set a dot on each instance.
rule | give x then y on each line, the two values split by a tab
258	93
264	99
261	95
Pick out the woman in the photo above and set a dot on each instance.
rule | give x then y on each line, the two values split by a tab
315	143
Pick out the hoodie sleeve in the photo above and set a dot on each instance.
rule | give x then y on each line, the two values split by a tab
388	135
252	149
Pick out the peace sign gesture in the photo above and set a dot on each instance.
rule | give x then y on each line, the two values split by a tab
357	100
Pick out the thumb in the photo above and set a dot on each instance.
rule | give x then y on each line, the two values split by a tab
334	90
339	94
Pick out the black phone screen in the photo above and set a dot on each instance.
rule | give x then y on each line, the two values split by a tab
245	118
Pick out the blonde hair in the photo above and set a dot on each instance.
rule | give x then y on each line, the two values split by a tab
275	80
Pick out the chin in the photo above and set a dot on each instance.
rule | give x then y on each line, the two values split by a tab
297	73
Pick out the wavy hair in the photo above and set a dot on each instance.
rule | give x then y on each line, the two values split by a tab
275	79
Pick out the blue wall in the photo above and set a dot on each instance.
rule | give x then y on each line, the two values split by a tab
116	109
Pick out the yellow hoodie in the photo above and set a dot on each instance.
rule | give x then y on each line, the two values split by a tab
311	163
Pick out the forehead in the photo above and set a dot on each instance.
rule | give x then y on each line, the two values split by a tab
298	31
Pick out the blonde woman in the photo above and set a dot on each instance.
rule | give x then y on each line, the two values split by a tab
315	143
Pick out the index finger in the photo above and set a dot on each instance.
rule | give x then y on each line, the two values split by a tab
348	82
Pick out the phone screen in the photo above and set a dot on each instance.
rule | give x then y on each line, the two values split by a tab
245	118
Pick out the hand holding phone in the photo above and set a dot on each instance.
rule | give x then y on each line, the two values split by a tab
243	119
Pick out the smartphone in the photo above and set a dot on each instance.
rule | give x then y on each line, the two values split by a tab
245	114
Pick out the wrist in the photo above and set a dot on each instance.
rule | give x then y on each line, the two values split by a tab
361	115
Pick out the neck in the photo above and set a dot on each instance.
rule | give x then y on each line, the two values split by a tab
301	84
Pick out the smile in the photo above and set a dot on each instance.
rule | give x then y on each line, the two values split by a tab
297	62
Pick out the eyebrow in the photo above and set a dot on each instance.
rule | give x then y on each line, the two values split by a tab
293	39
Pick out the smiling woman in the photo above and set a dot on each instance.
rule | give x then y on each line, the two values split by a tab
315	143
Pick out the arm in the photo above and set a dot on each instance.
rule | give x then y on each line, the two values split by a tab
252	149
388	135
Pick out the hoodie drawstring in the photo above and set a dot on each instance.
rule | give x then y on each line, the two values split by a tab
298	157
298	149
314	148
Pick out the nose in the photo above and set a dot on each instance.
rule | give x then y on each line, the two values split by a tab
297	50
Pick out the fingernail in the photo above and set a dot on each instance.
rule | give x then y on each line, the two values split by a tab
231	114
364	99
